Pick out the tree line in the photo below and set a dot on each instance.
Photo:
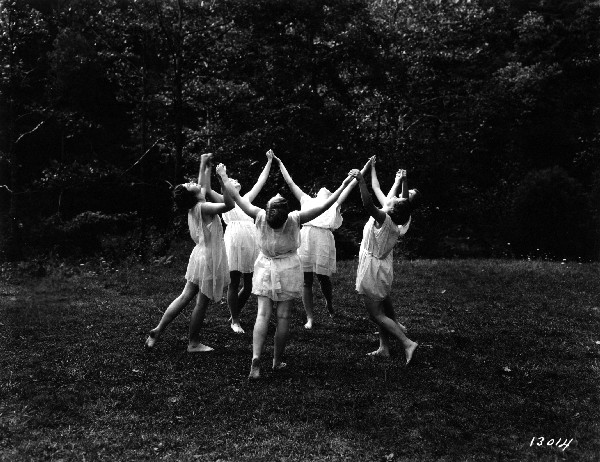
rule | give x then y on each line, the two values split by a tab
492	106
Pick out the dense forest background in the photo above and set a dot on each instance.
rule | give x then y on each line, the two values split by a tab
492	106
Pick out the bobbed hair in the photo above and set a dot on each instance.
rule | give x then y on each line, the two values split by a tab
184	198
277	212
400	213
402	210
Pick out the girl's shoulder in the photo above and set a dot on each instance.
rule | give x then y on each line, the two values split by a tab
294	216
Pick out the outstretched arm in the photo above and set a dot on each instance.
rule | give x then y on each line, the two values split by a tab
204	159
375	184
213	208
307	215
288	179
262	179
209	193
399	180
352	184
376	213
228	188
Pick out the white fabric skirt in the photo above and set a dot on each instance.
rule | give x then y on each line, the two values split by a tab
241	246
209	273
278	278
374	276
317	250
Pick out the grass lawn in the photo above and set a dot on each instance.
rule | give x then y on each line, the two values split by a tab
509	354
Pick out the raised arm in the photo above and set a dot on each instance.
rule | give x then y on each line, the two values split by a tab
307	215
204	159
376	213
228	188
206	178
262	179
352	184
399	180
375	183
288	179
213	208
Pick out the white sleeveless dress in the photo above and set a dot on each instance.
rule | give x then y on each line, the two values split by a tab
278	271
317	248
241	241
375	272
207	266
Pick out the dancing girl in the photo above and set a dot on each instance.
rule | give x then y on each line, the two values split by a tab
207	273
241	245
277	271
317	244
375	266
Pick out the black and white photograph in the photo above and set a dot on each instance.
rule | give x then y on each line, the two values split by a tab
299	230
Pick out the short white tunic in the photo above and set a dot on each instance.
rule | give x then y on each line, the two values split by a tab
207	266
375	272
278	271
241	241
317	247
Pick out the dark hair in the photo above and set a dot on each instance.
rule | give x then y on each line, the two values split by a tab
402	211
184	198
277	212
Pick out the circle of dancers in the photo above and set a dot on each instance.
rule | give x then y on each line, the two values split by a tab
275	253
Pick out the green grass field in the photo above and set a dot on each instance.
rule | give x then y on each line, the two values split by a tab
509	354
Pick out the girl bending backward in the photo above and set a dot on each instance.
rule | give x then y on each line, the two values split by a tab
241	245
278	275
317	244
375	267
207	272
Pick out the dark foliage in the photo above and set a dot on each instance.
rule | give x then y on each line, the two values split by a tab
98	96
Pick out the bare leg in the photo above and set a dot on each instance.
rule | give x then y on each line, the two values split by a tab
281	334
189	291
265	308
376	312
326	288
388	309
194	345
245	292
233	301
307	299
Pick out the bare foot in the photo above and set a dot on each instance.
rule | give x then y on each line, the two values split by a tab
409	352
330	310
151	340
198	348
237	328
383	352
309	324
280	366
254	369
207	156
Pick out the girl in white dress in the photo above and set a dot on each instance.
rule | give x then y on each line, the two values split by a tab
207	273
277	270
375	266
317	244
241	245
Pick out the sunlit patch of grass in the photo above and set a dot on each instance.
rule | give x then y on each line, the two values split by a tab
507	352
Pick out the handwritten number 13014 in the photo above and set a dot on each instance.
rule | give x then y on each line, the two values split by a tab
541	441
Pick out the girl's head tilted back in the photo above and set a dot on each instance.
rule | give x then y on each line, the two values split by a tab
324	193
401	209
236	184
186	196
277	211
